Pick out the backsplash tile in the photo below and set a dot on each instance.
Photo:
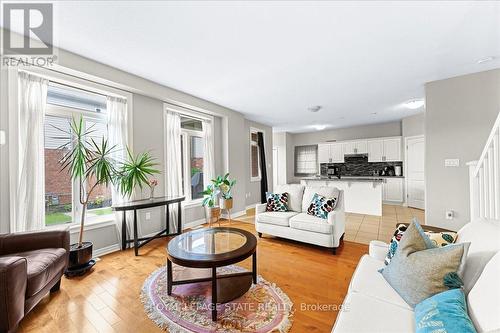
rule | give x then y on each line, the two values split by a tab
358	166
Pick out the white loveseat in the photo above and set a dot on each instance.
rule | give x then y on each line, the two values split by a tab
371	305
296	224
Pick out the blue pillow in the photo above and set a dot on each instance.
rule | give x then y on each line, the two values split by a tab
443	312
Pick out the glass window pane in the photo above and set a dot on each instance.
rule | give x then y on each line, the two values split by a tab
58	94
196	160
254	137
254	161
58	184
191	124
100	199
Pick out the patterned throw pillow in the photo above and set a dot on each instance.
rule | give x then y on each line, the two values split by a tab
321	206
439	239
277	202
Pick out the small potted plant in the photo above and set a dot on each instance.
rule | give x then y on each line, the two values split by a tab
91	165
152	184
225	185
212	212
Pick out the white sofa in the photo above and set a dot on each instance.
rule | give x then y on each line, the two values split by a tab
296	224
371	305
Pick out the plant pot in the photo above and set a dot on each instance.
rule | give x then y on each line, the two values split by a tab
212	214
226	203
80	257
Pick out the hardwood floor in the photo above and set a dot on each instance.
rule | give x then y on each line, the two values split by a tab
107	299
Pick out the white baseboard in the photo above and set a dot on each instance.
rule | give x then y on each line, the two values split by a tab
193	224
234	215
106	250
252	205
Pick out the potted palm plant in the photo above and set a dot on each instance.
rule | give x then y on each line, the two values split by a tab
91	165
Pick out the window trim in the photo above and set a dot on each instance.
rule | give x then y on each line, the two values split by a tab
76	82
186	134
252	144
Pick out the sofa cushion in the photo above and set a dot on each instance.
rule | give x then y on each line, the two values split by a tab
443	312
364	314
276	218
295	192
483	236
368	281
309	192
320	206
307	222
277	202
484	298
43	266
418	268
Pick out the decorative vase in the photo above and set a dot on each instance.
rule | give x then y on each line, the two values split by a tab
212	215
226	203
152	192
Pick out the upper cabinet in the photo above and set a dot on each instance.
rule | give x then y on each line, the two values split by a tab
384	150
330	153
355	147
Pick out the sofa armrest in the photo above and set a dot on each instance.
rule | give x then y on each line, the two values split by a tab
29	241
13	279
260	208
378	249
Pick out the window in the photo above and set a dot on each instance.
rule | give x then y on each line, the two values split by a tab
62	204
306	160
255	174
192	152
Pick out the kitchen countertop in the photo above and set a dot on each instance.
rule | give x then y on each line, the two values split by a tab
353	178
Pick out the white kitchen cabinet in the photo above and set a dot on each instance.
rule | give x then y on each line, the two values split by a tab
375	150
324	153
392	150
355	147
330	153
392	190
337	153
384	150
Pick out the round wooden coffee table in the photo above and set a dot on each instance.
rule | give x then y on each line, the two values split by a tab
212	248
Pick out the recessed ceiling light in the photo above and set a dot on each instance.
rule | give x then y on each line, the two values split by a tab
414	104
485	59
315	108
319	127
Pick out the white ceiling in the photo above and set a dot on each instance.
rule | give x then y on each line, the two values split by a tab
273	60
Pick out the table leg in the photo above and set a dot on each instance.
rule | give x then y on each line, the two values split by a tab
169	277
254	267
179	218
124	231
136	243
214	294
167	218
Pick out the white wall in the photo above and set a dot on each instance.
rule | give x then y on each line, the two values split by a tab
414	125
148	98
460	112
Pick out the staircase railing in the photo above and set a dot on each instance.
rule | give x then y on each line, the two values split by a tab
484	177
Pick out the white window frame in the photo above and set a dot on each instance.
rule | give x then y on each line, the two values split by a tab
73	81
255	144
186	155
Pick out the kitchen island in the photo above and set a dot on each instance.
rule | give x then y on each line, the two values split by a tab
362	195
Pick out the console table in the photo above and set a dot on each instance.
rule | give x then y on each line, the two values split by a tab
143	204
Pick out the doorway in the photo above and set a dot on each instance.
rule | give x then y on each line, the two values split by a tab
415	176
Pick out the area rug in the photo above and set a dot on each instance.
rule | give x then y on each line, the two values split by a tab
264	307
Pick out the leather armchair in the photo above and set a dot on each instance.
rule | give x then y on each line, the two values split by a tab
31	265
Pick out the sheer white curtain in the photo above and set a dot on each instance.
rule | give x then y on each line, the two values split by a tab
173	161
208	164
29	196
117	136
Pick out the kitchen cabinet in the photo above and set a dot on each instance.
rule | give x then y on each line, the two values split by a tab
392	190
330	153
384	150
355	147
